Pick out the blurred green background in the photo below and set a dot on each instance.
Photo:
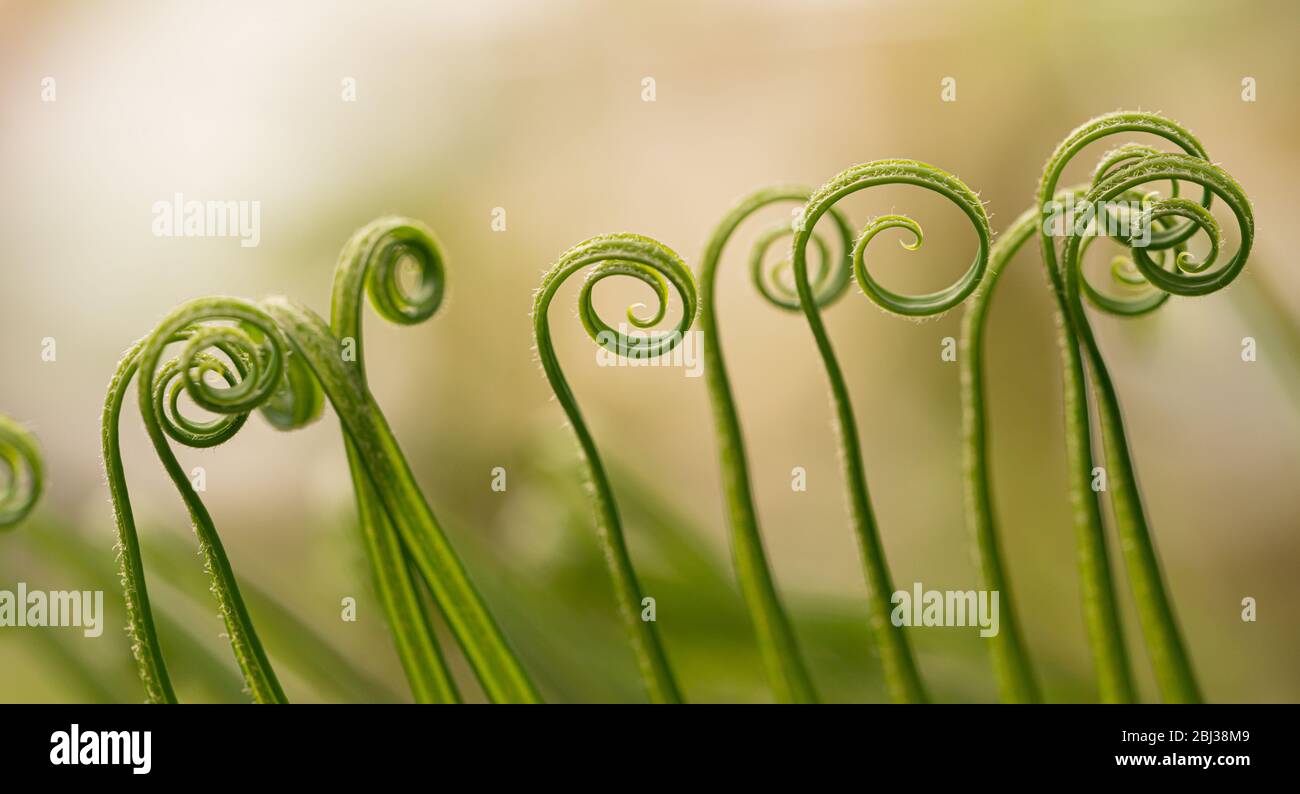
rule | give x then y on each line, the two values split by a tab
537	108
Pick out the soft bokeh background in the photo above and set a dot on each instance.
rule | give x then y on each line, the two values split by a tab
537	108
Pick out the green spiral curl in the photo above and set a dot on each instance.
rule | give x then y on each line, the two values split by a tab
1187	277
1138	295
369	264
252	371
782	660
1101	616
901	674
22	476
655	265
281	358
1012	668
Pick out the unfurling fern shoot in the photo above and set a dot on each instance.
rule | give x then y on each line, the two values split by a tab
1101	614
655	265
369	265
1164	643
782	660
900	670
1188	276
1012	668
277	356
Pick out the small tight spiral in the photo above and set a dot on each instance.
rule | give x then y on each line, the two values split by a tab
22	475
233	357
656	266
901	673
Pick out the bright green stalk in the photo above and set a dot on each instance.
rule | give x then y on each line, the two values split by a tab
655	265
368	264
68	550
1010	660
900	669
255	373
1187	277
782	660
22	476
426	545
1101	617
278	357
1011	665
303	649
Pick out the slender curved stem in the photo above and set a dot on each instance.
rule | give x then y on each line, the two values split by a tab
495	665
369	260
146	356
655	265
1011	665
399	594
1011	661
901	674
277	357
782	660
1115	682
1169	657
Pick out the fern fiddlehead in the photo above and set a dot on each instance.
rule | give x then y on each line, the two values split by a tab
1101	617
368	264
655	265
1012	667
22	474
901	674
279	357
784	665
252	370
1187	277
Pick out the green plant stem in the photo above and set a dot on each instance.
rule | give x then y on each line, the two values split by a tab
785	667
399	595
1169	657
655	265
497	669
1011	665
1115	682
373	253
277	358
299	646
262	683
900	670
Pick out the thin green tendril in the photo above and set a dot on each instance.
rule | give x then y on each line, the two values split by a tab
279	357
782	660
655	265
901	674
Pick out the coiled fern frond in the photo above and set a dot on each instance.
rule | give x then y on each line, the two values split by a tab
656	266
1188	277
901	673
1155	266
369	265
279	357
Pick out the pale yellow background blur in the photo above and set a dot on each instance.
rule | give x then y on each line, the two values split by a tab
537	108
